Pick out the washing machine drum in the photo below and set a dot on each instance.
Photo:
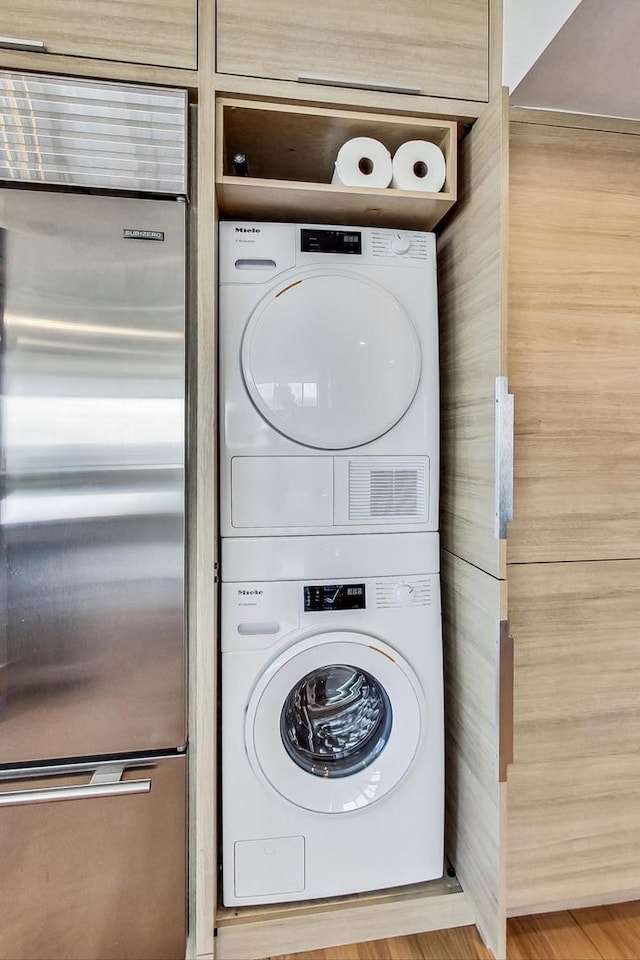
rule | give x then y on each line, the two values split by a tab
334	723
331	361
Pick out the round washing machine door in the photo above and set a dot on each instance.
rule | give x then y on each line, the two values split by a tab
335	721
331	360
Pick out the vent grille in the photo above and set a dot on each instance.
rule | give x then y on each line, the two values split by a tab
92	134
388	490
387	594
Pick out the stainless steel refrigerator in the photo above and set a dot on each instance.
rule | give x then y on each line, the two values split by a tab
92	635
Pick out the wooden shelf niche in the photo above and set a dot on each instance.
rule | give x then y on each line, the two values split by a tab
291	152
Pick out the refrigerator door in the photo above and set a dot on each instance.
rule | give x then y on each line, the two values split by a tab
92	470
94	874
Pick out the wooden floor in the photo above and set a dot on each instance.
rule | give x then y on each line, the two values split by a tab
598	933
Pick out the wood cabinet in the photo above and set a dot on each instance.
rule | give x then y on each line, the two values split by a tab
571	348
574	788
432	47
471	278
159	32
478	705
471	258
563	827
573	548
439	48
574	342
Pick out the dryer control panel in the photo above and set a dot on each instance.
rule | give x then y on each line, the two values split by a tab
331	241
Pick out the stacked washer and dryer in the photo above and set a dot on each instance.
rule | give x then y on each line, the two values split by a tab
332	700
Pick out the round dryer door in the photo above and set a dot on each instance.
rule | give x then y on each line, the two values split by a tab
331	361
334	723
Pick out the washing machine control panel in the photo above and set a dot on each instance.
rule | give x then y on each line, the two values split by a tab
334	596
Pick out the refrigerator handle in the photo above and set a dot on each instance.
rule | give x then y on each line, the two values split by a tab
105	782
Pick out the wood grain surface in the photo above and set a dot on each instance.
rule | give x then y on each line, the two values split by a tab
552	936
474	603
614	930
299	142
599	933
420	44
574	343
202	516
574	789
291	152
282	201
577	667
250	932
471	259
461	942
161	32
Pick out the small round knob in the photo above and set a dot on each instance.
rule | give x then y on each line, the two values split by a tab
403	593
400	244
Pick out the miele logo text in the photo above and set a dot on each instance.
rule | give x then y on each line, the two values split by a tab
250	593
248	230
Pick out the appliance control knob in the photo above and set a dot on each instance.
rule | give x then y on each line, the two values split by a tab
400	244
404	593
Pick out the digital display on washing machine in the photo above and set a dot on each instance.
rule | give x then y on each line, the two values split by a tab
330	241
334	596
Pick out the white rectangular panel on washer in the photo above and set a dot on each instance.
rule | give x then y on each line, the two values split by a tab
329	352
294	558
275	865
260	614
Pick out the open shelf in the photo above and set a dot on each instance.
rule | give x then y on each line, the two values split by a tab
291	152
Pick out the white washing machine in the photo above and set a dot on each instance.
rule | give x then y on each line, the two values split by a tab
328	380
332	715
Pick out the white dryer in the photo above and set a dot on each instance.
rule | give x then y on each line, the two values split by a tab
328	380
332	716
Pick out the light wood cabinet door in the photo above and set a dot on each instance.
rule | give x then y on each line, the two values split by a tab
471	281
478	714
160	32
574	343
574	787
432	47
477	643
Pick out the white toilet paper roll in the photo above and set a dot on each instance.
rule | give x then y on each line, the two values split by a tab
419	165
363	162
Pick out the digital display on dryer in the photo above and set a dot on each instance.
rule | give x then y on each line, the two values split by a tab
334	596
331	241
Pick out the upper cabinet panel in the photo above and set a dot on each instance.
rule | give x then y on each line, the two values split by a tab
159	32
574	343
433	47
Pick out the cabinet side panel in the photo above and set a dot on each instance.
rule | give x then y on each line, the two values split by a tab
574	343
574	789
474	603
203	850
472	344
